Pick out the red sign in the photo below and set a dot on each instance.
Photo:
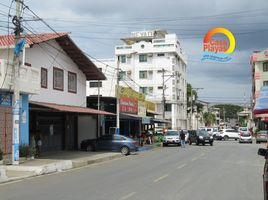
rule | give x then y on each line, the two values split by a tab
128	105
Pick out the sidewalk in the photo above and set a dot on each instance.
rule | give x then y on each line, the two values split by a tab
57	162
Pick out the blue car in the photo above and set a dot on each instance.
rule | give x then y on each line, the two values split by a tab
117	143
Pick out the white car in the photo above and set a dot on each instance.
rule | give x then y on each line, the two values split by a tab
229	133
171	137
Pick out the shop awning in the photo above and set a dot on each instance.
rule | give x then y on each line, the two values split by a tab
162	121
130	116
72	109
153	112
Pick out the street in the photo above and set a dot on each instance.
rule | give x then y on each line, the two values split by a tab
225	171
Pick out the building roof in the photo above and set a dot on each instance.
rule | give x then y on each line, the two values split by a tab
72	109
67	44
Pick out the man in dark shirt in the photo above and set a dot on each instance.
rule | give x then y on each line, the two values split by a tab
182	137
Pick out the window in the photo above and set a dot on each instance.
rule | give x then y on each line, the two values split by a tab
168	107
122	75
265	67
43	78
58	79
160	87
146	90
143	74
123	59
94	84
265	83
72	82
160	54
143	58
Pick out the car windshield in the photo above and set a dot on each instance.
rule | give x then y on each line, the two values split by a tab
244	129
171	133
203	133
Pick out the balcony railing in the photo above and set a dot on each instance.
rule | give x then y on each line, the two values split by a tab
28	80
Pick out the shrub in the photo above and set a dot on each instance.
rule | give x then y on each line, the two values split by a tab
32	151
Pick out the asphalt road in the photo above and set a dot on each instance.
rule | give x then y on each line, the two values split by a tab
225	171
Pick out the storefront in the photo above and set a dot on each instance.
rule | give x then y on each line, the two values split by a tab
62	127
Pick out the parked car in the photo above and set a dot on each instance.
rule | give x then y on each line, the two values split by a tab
200	137
264	152
208	129
216	133
245	137
171	137
261	136
229	133
118	143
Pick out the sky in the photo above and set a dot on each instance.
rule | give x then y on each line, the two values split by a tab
97	26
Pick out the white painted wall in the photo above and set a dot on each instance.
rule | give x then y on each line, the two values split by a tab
84	132
176	86
45	56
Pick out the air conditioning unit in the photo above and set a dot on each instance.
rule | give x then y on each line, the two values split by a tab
150	55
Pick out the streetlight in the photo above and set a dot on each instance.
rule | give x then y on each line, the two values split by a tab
191	116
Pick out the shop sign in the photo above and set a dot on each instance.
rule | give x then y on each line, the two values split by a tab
128	105
142	109
149	105
5	100
130	93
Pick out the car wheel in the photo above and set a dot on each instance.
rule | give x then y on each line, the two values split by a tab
197	143
190	143
226	138
235	139
125	150
211	144
203	143
257	142
90	148
164	145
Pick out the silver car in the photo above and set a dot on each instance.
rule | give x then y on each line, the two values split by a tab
261	136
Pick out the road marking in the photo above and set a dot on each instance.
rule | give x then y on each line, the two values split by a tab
128	196
193	159
181	166
160	178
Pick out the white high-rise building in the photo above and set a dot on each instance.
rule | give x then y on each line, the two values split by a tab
150	61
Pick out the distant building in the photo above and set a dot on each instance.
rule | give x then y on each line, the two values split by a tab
259	64
144	59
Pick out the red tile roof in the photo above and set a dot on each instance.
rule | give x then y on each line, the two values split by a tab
67	44
6	40
73	109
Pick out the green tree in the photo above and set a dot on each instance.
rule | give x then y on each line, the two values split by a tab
194	93
209	118
229	110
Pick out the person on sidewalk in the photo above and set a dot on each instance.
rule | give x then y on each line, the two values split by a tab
182	137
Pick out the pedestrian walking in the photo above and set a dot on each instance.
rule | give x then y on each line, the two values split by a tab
182	137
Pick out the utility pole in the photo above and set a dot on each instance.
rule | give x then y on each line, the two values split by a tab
98	108
16	95
117	100
163	93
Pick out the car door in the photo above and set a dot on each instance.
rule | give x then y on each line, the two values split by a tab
117	142
233	133
105	142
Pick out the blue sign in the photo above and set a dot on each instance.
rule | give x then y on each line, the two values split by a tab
5	99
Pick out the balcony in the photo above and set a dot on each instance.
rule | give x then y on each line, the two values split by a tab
29	78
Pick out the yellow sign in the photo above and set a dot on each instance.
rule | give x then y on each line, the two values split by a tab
130	93
149	105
